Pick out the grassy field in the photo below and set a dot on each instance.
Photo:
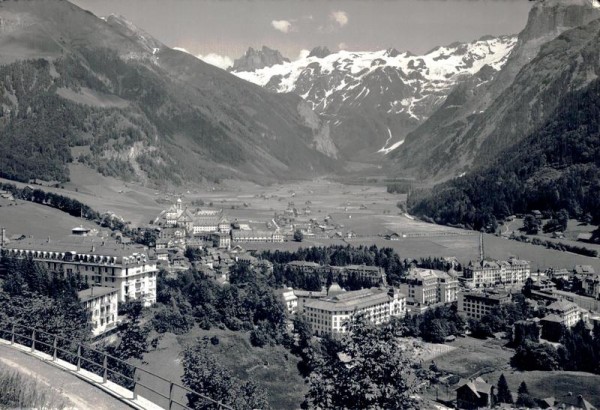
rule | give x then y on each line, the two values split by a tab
471	356
27	218
556	384
490	358
270	367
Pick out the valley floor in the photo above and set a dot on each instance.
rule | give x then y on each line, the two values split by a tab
367	211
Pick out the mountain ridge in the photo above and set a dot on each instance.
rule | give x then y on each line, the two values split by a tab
373	99
254	60
450	140
134	108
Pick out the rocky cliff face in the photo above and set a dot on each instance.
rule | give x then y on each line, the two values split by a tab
256	59
491	111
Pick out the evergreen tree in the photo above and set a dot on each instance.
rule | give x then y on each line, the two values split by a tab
504	395
524	399
362	371
298	235
205	375
523	388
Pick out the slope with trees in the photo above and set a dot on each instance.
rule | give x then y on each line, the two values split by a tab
556	168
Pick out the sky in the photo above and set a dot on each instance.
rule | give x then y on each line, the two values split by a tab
219	31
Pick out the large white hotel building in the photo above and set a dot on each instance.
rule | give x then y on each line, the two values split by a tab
330	314
100	261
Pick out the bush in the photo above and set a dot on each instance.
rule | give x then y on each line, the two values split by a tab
259	338
167	320
233	323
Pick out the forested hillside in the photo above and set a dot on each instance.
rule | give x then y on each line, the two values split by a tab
556	167
74	87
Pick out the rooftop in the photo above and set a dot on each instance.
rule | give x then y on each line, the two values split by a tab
351	300
304	264
500	296
86	245
553	318
562	306
476	386
95	292
584	269
426	274
310	293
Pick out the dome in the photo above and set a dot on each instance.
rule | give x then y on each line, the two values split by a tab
334	289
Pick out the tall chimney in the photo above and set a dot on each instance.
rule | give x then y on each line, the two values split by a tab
481	250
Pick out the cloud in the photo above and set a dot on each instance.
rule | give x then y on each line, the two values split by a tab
340	17
217	60
342	46
181	49
303	54
282	25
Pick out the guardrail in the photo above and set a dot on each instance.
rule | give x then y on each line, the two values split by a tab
157	389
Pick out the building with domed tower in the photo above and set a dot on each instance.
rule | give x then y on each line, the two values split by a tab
196	222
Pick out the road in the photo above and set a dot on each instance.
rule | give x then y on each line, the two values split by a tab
82	394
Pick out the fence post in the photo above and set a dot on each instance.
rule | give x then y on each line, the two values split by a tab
78	357
33	340
12	336
171	396
54	346
105	372
134	383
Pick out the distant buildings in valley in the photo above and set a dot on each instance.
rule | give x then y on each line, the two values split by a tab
489	273
193	223
428	287
180	225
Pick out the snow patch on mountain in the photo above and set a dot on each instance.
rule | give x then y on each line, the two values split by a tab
374	90
385	149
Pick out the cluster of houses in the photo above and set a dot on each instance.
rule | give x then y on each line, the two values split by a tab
292	219
180	228
478	393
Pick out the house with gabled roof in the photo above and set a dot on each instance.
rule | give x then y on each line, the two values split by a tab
474	394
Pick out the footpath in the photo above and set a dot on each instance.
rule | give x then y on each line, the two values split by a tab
81	393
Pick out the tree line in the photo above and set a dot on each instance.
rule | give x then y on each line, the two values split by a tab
77	208
338	255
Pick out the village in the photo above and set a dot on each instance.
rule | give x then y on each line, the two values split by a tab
208	241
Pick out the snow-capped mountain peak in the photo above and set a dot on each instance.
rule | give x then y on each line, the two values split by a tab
375	94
